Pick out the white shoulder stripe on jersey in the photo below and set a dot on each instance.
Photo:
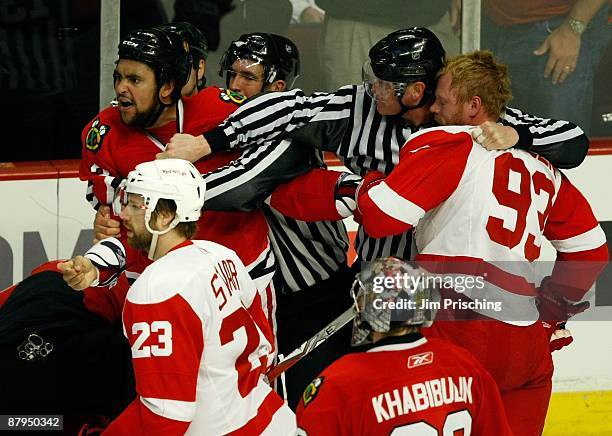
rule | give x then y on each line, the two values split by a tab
171	409
594	238
398	347
394	205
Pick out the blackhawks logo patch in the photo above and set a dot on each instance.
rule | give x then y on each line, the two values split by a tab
95	135
229	95
312	390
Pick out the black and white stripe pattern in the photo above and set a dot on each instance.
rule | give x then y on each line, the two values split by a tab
346	122
306	253
111	184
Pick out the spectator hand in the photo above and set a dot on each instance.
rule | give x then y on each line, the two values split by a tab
493	136
186	146
312	15
79	272
563	46
104	225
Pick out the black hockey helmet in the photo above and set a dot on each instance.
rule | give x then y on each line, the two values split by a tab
278	55
165	52
198	47
406	56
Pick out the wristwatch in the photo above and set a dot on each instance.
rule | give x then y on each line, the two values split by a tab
577	26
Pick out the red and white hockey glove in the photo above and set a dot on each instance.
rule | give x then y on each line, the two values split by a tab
555	308
559	336
372	178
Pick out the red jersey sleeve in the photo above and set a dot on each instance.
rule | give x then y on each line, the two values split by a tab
430	169
97	167
309	197
582	251
167	343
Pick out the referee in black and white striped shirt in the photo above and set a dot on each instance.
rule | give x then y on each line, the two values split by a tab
367	125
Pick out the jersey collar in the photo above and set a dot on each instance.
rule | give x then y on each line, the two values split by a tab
396	343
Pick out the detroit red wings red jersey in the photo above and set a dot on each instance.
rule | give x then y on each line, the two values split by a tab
198	351
471	205
425	387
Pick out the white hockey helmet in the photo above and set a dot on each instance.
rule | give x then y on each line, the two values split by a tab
172	179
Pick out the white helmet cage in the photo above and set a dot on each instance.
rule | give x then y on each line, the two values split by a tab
171	179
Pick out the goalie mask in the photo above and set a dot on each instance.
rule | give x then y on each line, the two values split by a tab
171	179
389	294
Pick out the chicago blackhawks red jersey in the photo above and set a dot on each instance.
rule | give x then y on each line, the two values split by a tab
425	387
198	352
472	205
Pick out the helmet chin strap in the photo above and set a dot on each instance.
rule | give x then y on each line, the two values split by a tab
424	100
152	119
156	233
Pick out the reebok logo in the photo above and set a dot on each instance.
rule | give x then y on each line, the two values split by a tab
420	359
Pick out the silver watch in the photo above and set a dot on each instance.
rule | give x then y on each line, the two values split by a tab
577	26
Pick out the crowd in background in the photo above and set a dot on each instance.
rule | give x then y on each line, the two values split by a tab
49	54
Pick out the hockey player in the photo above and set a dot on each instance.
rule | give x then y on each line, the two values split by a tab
197	332
198	53
407	384
152	68
485	214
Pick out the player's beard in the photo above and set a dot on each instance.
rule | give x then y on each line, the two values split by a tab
455	119
140	241
141	118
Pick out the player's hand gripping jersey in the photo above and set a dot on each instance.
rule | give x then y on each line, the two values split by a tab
425	387
472	205
198	353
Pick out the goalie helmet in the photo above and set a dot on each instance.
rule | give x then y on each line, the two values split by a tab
388	294
403	57
278	55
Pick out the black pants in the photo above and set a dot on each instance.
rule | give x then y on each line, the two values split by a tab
302	314
88	372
